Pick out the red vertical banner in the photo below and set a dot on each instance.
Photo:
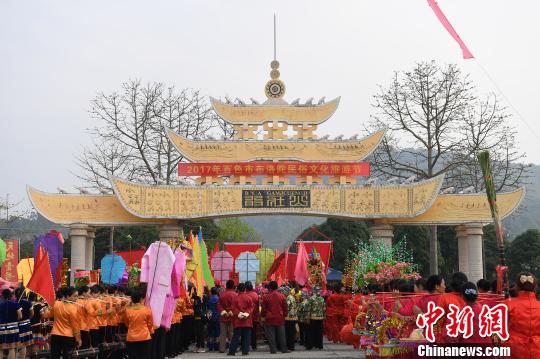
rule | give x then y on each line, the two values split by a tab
9	267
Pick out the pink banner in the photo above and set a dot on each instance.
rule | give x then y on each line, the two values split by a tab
444	21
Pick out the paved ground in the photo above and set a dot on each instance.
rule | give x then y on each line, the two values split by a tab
330	351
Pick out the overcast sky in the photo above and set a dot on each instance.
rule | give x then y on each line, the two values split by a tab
55	56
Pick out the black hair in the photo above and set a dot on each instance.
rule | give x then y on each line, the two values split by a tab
69	291
526	285
373	288
433	281
83	289
213	291
249	286
230	284
32	297
111	289
136	296
241	287
19	292
7	294
458	279
273	285
421	282
483	284
469	292
96	289
406	287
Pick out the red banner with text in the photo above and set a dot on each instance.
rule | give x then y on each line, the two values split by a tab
9	267
269	168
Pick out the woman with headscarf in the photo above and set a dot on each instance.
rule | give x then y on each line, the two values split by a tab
524	319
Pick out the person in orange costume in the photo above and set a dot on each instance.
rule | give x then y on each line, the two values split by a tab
140	327
524	319
65	335
444	301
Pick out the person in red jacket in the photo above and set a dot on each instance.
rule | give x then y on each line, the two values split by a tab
225	308
273	311
255	298
242	320
524	319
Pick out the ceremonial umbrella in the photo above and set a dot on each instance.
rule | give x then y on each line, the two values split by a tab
112	268
266	257
247	265
221	264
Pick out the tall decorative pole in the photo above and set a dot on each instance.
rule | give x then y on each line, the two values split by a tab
502	269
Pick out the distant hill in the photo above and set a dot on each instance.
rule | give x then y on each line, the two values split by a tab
281	231
528	214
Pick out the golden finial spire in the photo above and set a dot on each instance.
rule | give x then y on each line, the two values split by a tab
275	88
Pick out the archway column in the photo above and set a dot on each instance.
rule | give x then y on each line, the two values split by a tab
463	249
89	245
169	231
382	233
77	234
474	247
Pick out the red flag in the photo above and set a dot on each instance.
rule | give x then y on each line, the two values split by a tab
301	273
41	281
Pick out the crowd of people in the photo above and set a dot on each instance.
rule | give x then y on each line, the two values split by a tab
234	319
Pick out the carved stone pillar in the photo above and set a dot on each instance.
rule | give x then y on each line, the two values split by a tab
77	235
382	232
89	245
169	231
476	260
463	249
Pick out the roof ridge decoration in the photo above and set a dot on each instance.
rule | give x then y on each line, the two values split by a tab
302	150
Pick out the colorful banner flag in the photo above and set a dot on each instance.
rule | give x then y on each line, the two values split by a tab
207	273
9	267
25	269
196	260
444	21
301	272
41	281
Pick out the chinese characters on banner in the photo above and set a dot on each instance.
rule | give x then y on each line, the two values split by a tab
9	267
283	168
276	199
491	320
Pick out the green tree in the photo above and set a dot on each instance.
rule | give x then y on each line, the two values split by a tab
345	234
235	230
417	238
524	254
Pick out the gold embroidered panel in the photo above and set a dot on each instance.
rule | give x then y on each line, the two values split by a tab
316	151
350	201
258	114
